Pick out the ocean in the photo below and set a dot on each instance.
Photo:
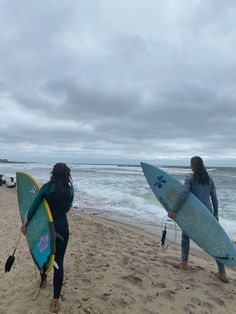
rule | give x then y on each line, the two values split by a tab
120	192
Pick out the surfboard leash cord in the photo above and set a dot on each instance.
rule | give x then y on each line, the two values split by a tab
11	258
165	220
35	296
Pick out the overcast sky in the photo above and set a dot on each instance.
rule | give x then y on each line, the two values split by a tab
127	80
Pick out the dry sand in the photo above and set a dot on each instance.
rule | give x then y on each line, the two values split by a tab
111	268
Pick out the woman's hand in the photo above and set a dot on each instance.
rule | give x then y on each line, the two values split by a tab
172	214
23	229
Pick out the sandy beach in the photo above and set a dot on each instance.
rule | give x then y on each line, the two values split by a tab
111	268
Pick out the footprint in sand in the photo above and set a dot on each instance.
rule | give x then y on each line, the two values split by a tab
133	279
147	299
146	311
197	301
126	300
106	296
158	284
87	310
86	280
218	301
169	294
125	260
90	260
195	269
189	308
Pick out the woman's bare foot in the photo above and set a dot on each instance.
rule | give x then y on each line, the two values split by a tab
55	306
183	265
222	277
42	284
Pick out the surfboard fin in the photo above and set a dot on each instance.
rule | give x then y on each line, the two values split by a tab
56	265
223	257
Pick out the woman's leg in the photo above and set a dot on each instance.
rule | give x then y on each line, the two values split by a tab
59	258
221	267
185	247
222	274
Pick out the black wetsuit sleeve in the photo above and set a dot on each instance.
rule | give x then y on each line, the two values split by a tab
37	200
70	200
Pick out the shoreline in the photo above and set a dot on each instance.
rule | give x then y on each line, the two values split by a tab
111	267
173	235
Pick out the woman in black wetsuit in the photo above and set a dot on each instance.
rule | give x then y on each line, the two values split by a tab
59	194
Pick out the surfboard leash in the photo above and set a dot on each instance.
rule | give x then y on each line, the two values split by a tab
164	232
35	296
165	220
11	258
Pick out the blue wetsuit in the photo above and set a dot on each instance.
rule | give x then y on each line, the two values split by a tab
207	195
60	202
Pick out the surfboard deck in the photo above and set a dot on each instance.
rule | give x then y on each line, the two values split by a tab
193	217
40	233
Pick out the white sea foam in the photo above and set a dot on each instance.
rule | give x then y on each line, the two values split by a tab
123	189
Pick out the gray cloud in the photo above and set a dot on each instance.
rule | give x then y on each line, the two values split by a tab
103	80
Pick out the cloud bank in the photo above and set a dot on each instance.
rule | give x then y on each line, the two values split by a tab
97	80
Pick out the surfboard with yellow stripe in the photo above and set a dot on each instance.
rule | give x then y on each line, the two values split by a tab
40	232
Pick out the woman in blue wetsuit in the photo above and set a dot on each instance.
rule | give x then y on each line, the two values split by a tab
59	194
203	187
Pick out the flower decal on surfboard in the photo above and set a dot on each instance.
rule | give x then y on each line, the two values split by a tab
160	181
43	243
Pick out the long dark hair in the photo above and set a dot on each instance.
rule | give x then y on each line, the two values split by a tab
200	174
61	176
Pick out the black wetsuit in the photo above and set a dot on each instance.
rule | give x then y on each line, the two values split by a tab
60	202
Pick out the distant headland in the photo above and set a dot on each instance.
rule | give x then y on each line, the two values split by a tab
6	161
3	160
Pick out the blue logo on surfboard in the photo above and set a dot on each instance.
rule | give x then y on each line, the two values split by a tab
160	181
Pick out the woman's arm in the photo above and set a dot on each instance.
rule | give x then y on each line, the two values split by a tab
36	202
71	198
182	198
214	200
